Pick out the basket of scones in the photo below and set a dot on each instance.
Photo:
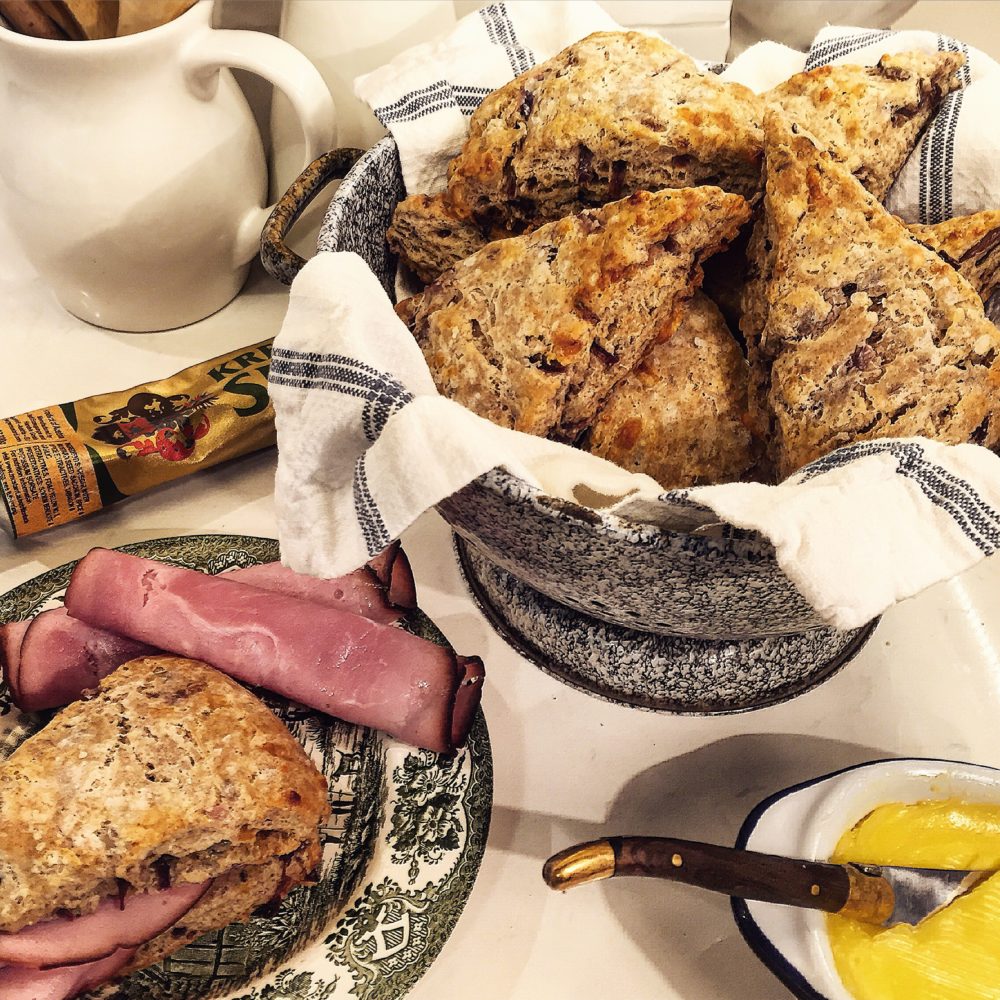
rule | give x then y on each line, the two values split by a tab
708	381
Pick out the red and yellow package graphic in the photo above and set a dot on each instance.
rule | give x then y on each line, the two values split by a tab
62	462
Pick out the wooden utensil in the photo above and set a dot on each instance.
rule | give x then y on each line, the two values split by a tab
59	13
876	894
141	15
30	19
94	18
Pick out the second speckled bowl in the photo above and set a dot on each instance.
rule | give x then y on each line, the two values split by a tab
630	576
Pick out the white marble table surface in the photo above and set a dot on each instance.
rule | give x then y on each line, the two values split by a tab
568	767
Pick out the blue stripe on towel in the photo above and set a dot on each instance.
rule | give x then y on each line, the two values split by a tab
416	104
841	45
500	31
937	149
977	520
370	521
383	394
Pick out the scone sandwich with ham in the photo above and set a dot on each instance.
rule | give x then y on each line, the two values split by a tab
168	803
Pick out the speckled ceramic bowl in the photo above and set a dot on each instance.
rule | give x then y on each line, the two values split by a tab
618	577
807	821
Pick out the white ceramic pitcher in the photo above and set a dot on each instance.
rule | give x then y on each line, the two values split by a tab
133	168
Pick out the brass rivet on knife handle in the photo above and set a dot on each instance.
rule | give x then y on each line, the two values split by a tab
870	897
577	865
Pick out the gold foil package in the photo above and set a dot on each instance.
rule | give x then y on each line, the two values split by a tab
59	463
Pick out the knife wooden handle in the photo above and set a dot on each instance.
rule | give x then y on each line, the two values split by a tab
746	874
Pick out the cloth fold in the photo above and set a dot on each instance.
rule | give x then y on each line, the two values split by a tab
955	167
366	444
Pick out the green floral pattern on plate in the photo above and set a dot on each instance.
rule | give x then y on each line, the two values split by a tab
401	850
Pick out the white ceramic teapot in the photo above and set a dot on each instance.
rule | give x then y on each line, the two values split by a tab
134	172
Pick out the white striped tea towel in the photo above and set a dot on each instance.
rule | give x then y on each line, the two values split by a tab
366	444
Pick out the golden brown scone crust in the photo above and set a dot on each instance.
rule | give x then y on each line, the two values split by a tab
534	332
679	417
869	117
616	112
168	757
430	238
868	333
232	898
970	243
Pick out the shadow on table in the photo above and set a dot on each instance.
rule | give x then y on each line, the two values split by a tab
688	934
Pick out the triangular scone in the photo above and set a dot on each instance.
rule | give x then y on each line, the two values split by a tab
679	417
971	244
869	117
868	332
615	113
533	332
170	774
430	238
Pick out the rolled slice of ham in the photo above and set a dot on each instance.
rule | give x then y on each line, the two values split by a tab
61	657
64	657
360	592
19	983
11	637
115	924
467	697
339	663
392	569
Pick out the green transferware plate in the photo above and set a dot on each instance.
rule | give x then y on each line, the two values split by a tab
401	850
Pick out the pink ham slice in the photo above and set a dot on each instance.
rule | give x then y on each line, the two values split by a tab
339	663
61	657
360	592
114	925
11	637
18	983
64	656
467	697
392	569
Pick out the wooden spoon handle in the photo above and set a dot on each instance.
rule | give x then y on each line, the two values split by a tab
94	18
746	874
29	19
57	12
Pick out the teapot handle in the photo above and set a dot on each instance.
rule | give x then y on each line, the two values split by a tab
282	65
279	260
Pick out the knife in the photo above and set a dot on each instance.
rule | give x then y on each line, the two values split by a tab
875	894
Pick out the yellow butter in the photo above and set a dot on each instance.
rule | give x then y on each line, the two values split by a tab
953	954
